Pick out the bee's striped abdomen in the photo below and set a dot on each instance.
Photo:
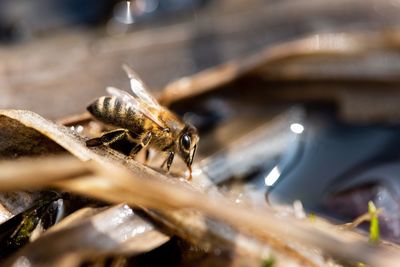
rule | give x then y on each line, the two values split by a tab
112	110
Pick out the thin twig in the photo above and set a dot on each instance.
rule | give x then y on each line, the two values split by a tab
116	184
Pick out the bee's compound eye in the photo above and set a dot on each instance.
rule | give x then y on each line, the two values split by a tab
186	141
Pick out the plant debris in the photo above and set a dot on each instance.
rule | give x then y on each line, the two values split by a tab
105	174
374	224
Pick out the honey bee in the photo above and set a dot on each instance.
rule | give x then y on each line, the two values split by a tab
143	122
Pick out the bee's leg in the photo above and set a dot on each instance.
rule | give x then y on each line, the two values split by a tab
190	173
144	142
165	161
113	136
107	138
146	139
169	160
147	155
135	150
94	142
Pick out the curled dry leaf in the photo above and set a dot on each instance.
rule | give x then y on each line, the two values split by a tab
296	60
322	67
92	232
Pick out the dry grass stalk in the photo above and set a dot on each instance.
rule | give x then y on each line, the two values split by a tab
48	168
117	185
142	186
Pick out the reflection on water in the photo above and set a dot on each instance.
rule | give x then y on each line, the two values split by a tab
273	176
333	168
297	128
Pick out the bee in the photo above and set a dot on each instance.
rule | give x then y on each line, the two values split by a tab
144	123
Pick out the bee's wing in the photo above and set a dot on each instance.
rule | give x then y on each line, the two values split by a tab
139	88
136	104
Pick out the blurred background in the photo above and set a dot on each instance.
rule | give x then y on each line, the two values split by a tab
49	48
333	65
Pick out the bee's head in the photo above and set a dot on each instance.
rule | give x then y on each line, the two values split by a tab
187	145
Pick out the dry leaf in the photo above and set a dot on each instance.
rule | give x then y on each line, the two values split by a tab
142	186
